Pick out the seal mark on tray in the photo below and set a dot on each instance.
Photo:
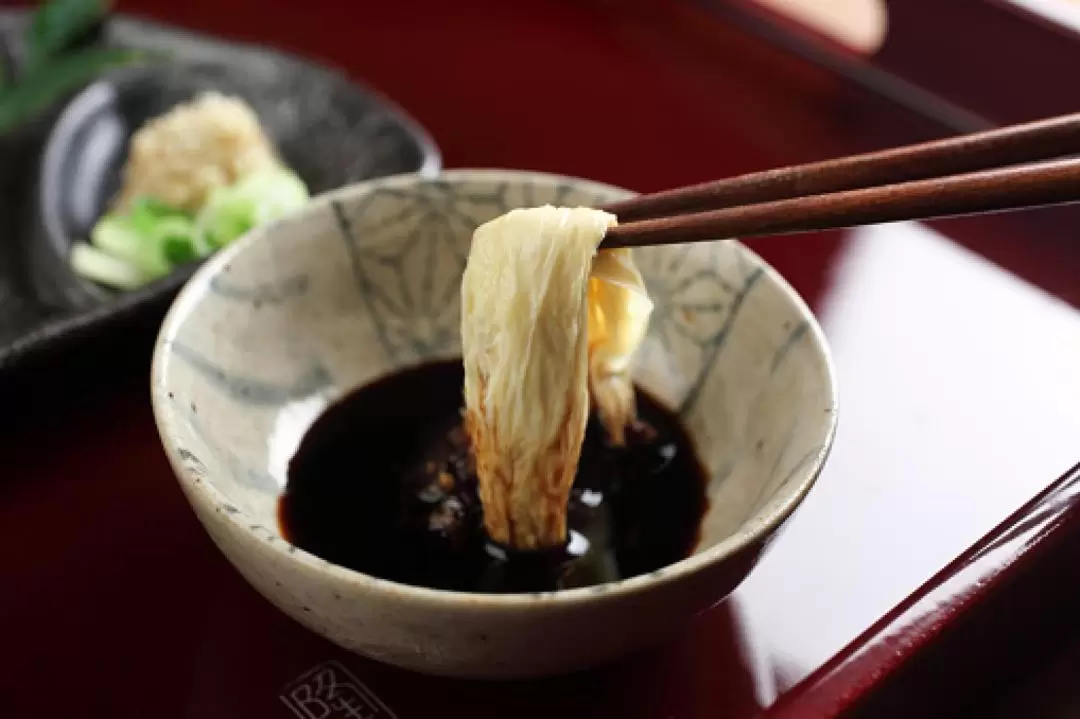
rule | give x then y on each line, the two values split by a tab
330	691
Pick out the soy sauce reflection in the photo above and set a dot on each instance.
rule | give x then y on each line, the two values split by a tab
384	483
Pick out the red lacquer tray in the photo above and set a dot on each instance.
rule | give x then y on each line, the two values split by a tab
993	634
956	346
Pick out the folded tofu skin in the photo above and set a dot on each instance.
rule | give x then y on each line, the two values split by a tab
548	325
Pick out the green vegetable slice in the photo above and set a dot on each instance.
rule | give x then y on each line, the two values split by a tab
178	239
273	194
127	251
147	212
103	268
223	219
255	200
117	236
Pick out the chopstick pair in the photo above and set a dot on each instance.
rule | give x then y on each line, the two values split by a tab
997	170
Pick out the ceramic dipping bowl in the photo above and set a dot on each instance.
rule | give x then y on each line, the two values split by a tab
365	281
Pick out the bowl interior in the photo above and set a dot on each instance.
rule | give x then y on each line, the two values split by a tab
366	281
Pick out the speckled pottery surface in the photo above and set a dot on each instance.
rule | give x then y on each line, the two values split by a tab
366	281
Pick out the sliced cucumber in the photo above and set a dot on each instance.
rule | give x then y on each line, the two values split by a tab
97	266
118	237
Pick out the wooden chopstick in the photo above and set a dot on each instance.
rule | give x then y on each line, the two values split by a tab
1053	137
998	190
969	174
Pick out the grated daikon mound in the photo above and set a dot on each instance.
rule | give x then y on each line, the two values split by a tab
180	157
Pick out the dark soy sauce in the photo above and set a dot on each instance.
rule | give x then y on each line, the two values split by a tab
383	483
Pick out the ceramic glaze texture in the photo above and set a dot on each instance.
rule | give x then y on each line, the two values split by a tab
366	281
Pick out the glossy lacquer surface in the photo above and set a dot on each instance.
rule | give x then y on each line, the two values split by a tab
957	374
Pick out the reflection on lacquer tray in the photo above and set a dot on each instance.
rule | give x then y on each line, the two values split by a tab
250	656
959	387
1065	13
958	380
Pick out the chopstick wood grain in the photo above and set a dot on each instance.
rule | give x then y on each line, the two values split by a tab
996	190
1054	137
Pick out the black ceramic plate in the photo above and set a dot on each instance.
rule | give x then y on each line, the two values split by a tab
58	172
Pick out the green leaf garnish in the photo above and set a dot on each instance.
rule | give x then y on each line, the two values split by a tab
7	68
56	24
42	86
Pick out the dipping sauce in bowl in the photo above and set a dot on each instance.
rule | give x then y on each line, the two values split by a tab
384	483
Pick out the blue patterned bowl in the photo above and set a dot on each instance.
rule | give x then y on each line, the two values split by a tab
366	281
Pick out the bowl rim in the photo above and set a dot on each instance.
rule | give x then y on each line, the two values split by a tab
756	530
